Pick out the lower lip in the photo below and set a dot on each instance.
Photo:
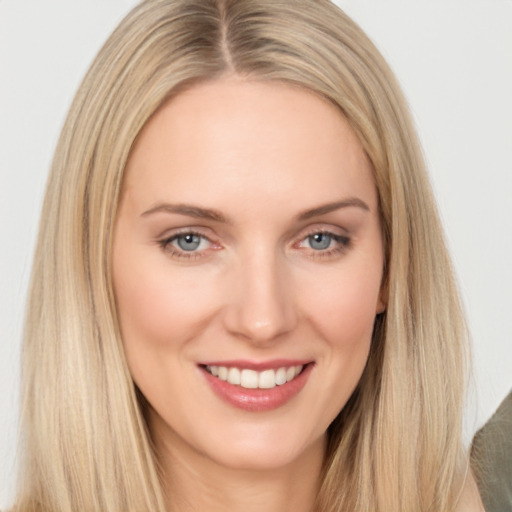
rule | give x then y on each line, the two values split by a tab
258	400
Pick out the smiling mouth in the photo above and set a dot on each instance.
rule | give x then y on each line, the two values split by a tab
257	387
252	379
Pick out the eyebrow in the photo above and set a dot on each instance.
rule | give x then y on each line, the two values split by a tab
214	215
331	207
188	210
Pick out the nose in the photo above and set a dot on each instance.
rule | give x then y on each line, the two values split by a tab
261	306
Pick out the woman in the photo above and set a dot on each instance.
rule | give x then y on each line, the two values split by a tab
241	296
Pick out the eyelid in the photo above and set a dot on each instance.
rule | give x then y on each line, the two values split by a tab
329	229
335	236
184	230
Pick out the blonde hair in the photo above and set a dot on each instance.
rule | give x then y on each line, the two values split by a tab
396	444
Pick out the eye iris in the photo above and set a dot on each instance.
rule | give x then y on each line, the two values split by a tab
319	241
188	242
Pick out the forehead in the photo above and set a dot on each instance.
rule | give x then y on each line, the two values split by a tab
232	136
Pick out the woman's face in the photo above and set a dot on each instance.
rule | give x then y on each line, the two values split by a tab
247	247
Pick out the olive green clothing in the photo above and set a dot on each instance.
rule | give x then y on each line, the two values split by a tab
492	456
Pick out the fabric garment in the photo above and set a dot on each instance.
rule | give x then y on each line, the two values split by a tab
492	457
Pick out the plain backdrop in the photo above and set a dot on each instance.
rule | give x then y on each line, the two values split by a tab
454	60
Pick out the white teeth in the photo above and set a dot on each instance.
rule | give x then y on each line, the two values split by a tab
251	379
267	379
223	373
281	376
234	376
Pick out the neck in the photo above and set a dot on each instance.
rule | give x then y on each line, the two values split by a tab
194	482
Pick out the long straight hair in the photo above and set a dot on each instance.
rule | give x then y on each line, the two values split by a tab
396	445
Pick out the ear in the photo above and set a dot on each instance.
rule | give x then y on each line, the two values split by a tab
382	302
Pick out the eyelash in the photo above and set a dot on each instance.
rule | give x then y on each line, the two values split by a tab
166	245
342	243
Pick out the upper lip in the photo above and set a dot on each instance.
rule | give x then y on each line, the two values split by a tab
272	364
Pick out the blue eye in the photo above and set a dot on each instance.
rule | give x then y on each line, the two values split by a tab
320	241
325	244
188	242
188	245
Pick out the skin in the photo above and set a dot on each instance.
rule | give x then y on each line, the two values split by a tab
256	288
470	500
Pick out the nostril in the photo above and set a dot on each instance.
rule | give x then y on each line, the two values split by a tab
259	324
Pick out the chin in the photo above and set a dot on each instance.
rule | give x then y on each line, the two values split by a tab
264	449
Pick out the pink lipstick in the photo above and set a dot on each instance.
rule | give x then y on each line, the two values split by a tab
254	386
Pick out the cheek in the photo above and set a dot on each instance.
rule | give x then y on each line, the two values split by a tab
158	308
344	311
343	306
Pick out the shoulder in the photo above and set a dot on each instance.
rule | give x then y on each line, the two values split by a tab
491	455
